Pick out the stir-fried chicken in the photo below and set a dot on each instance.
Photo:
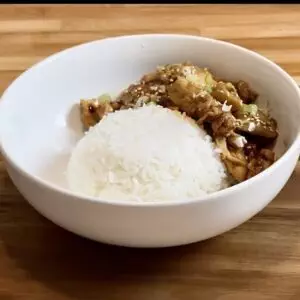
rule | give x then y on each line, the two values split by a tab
226	92
234	159
92	111
227	109
245	92
261	161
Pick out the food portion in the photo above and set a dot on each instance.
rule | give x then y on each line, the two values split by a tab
241	132
146	154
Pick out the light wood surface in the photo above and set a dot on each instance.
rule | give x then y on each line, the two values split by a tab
259	260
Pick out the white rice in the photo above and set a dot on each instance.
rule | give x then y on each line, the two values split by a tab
149	154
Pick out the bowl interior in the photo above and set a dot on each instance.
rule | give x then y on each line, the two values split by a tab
39	116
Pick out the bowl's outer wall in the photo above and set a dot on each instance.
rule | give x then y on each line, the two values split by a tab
154	226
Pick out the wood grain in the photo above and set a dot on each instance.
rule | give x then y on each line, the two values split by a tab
260	260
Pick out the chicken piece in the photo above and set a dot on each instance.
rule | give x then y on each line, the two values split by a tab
198	77
245	92
166	74
183	94
226	92
208	109
142	93
201	106
234	160
92	111
153	87
258	124
196	103
224	124
263	160
237	171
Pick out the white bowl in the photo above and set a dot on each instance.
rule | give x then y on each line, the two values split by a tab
39	126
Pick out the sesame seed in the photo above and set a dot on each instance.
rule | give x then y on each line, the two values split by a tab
251	126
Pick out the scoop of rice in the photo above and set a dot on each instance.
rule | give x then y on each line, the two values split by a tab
147	154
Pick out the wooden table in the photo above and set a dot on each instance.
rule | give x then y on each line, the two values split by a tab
40	261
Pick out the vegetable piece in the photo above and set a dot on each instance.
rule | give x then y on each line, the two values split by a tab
105	98
250	109
260	124
209	81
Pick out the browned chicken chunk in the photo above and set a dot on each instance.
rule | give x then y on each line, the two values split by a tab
92	111
258	124
261	161
142	93
245	92
224	124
